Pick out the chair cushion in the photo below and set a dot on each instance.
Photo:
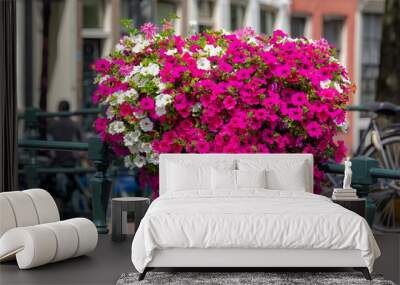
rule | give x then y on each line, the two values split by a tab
26	208
45	206
40	244
7	220
23	208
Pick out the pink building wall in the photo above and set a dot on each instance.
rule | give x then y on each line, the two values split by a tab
316	10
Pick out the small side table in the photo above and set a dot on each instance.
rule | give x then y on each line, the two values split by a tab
356	205
119	209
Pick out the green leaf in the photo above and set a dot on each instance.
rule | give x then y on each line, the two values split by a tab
126	23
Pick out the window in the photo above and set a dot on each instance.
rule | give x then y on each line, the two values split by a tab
165	9
139	11
206	14
238	12
298	26
92	50
93	13
267	20
370	55
333	32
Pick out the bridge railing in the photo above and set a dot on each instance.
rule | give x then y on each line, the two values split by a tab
100	184
97	151
365	173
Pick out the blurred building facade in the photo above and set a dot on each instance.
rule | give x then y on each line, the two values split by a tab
80	31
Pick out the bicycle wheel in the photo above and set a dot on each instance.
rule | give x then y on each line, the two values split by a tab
391	148
387	192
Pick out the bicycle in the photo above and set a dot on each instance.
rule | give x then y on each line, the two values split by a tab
384	146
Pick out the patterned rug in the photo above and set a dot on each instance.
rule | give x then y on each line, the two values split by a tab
243	278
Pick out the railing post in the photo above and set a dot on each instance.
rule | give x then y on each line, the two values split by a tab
32	122
100	184
31	125
362	178
362	181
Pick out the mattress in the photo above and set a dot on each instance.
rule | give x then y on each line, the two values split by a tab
250	219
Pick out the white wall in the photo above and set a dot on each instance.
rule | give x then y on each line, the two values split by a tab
63	80
252	18
20	48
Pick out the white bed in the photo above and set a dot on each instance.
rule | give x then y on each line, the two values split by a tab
248	226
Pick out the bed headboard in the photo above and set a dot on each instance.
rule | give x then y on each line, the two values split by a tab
212	158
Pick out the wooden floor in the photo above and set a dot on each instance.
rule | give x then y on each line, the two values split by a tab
103	266
110	259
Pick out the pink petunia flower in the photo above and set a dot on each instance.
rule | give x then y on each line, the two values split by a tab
102	65
229	103
260	114
125	110
149	30
202	146
295	114
314	129
299	99
180	102
101	124
147	103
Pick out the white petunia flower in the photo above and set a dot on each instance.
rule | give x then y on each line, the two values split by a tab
119	47
186	50
337	87
110	112
333	59
137	39
133	149
137	48
104	78
115	99
131	94
203	63
196	107
163	99
137	69
145	147
139	161
345	80
128	162
160	85
160	111
171	51
212	50
121	98
252	41
152	69
116	127
267	47
325	84
146	124
344	126
138	115
131	138
153	158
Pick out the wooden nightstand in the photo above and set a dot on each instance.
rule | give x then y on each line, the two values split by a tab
356	205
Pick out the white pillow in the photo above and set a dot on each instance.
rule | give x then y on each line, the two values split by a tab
293	179
282	174
227	179
223	179
251	178
188	177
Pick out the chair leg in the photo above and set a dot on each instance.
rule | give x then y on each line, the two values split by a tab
143	274
364	271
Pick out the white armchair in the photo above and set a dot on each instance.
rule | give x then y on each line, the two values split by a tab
31	230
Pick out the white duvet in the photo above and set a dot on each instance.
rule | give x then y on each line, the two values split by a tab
253	218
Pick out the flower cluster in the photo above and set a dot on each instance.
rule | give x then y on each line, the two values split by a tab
222	93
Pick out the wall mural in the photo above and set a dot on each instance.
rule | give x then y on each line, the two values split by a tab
220	92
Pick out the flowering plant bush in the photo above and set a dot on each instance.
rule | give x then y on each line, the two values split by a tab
220	92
